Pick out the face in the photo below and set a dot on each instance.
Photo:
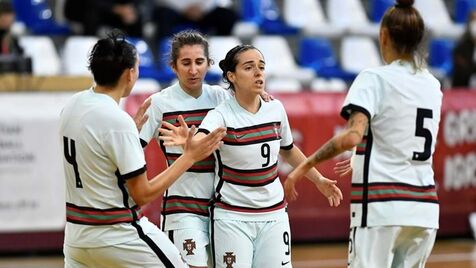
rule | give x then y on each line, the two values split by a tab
249	73
6	21
384	43
191	67
133	76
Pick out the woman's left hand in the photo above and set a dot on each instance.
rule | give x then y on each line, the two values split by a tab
330	190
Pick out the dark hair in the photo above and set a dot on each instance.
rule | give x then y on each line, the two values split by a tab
228	64
406	29
109	58
6	8
188	37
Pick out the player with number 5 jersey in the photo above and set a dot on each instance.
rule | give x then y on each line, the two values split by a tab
393	113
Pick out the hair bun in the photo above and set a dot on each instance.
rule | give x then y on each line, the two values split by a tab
405	3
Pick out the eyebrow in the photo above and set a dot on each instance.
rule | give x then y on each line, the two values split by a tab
251	61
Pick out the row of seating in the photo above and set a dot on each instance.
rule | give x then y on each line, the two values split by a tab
316	59
308	17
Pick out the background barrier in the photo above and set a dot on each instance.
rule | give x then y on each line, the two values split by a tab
314	118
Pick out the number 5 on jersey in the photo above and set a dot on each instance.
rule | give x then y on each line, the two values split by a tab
70	155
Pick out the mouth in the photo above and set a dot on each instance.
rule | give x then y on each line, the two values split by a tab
259	82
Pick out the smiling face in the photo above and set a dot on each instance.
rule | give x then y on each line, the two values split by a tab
191	67
249	75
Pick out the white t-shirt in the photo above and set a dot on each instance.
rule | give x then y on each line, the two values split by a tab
101	151
246	181
392	180
186	202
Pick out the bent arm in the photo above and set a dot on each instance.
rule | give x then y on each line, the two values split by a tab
347	140
144	191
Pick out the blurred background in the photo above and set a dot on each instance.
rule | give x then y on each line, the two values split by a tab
313	51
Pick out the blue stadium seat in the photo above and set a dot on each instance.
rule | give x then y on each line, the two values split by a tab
378	8
462	9
440	57
38	17
265	14
147	66
318	54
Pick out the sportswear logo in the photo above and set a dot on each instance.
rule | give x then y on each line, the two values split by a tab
189	246
229	259
239	137
284	263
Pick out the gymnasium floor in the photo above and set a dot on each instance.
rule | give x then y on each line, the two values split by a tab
446	254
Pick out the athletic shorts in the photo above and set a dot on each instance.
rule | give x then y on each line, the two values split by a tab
246	244
390	246
193	244
151	250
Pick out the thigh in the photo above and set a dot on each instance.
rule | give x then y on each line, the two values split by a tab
193	245
232	244
153	250
413	247
372	246
273	245
75	257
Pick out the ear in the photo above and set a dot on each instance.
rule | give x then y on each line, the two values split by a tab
231	76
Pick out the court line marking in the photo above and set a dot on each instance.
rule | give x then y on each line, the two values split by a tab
434	258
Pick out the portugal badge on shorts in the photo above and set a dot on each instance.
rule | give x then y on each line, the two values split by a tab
229	259
189	246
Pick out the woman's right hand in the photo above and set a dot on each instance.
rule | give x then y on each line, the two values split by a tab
172	135
343	168
200	148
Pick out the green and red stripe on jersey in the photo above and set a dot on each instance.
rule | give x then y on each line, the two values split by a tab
194	117
253	134
381	192
223	205
250	177
360	150
180	204
206	165
95	216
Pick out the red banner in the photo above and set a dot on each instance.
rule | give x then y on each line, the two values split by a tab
315	118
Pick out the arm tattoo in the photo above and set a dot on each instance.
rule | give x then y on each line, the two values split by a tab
327	151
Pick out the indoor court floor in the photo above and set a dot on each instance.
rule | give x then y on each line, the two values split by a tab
453	253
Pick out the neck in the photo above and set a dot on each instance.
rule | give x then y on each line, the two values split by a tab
393	56
114	92
192	92
249	102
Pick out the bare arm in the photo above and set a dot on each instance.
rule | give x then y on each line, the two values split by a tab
144	191
348	139
327	187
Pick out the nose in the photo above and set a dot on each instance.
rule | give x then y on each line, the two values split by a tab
193	69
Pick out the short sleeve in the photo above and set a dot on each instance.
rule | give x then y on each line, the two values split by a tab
212	121
363	96
150	127
286	135
124	149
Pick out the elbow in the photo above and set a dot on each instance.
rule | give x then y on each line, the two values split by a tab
351	140
140	199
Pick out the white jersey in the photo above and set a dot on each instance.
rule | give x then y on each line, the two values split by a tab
247	180
190	195
101	151
392	180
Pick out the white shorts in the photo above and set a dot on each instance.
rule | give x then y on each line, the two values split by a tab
151	250
193	244
245	244
390	246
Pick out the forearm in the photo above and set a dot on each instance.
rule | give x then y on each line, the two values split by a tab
337	145
295	157
162	181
